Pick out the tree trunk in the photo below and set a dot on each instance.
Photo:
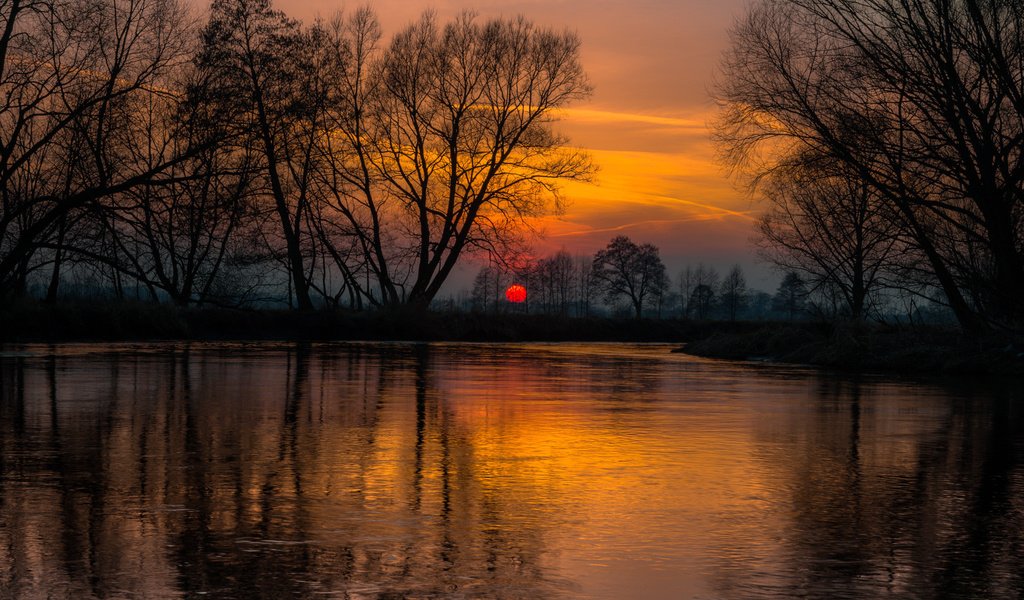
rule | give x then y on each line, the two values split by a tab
969	321
1007	303
58	257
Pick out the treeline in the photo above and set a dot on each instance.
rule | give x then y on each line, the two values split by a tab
255	159
886	137
629	279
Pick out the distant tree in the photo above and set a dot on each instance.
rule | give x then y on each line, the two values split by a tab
791	295
759	304
689	279
686	285
488	288
702	300
553	283
586	284
635	272
666	300
733	292
830	226
563	281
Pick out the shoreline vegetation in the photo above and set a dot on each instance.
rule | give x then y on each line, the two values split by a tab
864	347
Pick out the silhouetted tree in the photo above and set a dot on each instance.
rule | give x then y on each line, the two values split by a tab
690	279
489	288
72	75
586	284
262	66
179	237
923	101
833	229
442	144
702	300
625	269
759	304
791	295
733	292
366	170
686	284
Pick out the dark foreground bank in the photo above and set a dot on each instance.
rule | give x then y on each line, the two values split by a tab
865	348
35	322
836	346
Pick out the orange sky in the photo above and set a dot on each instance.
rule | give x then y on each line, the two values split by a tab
652	63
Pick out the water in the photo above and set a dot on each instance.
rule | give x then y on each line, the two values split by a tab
497	471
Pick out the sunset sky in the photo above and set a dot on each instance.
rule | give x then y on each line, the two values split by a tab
652	64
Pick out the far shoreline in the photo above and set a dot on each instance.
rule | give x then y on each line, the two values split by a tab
843	346
33	322
866	347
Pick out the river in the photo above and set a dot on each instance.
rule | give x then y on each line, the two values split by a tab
390	470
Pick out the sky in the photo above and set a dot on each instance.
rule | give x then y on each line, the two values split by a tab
652	64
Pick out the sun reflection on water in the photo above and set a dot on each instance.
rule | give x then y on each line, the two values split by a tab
504	471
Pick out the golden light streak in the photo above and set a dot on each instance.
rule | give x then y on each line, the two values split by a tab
648	194
591	115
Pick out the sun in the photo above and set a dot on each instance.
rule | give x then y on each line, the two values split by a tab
515	293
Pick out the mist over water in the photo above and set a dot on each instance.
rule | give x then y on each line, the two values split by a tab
497	471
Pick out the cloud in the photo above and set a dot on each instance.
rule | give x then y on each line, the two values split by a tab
635	225
653	196
593	115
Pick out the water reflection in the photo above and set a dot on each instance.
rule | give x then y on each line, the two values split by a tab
480	471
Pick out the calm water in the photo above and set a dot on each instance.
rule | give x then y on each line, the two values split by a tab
497	471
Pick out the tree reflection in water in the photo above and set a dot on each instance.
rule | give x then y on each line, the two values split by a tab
415	470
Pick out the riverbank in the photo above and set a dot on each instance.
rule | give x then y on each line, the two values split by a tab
865	348
75	322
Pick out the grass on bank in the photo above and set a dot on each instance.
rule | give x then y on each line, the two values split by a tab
844	346
867	347
106	321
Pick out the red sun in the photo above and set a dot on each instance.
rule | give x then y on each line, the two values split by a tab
515	293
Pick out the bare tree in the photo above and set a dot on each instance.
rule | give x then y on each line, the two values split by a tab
791	296
697	305
686	285
180	237
365	170
72	73
444	142
489	288
834	230
563	281
702	300
586	284
553	281
733	292
263	68
924	101
635	272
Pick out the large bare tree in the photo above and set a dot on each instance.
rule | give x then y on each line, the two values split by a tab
923	100
72	73
264	73
366	170
632	271
833	230
442	143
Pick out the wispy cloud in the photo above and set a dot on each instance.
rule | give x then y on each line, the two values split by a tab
635	225
590	115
